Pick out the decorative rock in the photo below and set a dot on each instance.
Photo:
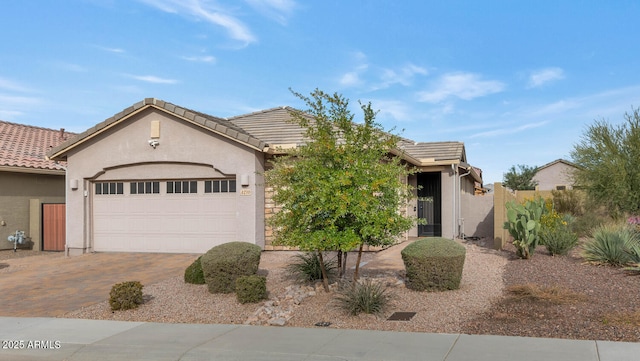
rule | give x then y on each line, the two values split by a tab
277	322
278	310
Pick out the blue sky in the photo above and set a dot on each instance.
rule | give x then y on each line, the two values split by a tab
518	82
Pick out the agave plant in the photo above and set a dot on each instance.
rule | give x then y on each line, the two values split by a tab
613	244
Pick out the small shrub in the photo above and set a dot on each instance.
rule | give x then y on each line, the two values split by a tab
126	295
616	245
306	267
433	264
193	274
568	201
558	241
364	296
223	264
551	220
251	289
592	217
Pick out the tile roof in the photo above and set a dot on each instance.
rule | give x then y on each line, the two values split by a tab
438	151
266	129
25	147
216	124
271	126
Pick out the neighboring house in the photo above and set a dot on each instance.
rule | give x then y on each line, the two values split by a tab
32	193
556	175
157	177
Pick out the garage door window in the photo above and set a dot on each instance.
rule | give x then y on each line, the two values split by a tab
182	187
110	188
220	186
144	188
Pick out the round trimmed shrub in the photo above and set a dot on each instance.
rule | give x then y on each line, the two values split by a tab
126	295
223	264
193	274
251	289
433	264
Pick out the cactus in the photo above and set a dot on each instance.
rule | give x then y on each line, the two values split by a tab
523	223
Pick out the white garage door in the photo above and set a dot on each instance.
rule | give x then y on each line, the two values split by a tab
184	216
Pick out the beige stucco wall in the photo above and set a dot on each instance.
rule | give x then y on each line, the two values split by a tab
558	174
21	196
184	151
477	213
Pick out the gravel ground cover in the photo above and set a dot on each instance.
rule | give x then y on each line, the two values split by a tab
607	308
175	301
602	304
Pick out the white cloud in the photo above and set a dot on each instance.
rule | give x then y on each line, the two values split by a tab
279	10
10	114
404	76
509	130
350	79
395	109
73	67
110	50
17	100
462	85
544	76
201	59
153	79
206	11
7	84
374	78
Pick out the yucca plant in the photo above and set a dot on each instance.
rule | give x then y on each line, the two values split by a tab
613	244
306	267
364	296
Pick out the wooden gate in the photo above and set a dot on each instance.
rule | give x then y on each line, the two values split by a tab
53	227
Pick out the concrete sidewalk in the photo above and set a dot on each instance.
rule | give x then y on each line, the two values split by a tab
72	339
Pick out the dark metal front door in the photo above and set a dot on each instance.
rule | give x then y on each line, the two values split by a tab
430	204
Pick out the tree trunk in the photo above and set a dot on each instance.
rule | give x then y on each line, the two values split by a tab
325	280
340	274
355	274
344	264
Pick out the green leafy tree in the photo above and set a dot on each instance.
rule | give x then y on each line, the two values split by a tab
521	179
342	189
608	160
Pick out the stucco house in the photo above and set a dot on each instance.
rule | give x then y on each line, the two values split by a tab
157	177
32	191
556	175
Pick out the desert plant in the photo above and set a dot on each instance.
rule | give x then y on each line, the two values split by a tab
251	289
223	264
558	241
306	267
592	217
523	223
193	274
365	296
613	244
126	295
568	201
433	264
550	219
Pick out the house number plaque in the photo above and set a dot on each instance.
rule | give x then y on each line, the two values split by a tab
245	192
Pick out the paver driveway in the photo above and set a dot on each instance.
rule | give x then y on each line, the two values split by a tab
53	285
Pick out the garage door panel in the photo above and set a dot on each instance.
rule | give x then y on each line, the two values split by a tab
181	223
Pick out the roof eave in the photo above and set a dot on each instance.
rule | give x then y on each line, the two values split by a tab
5	168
